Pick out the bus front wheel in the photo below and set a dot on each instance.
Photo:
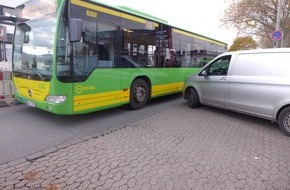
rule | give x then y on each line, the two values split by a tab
139	93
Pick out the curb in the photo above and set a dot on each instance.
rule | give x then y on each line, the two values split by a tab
3	104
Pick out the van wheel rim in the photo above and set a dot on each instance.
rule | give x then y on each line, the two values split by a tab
286	122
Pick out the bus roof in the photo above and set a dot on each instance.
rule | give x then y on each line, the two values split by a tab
148	16
142	14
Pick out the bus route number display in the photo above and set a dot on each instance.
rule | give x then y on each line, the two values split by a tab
90	13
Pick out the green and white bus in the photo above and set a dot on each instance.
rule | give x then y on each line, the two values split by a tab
80	56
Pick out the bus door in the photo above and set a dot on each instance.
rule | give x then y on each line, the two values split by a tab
167	63
96	80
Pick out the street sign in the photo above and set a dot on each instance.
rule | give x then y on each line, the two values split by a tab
277	35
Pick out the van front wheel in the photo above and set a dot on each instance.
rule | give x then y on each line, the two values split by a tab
284	121
192	98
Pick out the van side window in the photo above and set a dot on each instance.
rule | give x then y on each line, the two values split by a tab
220	66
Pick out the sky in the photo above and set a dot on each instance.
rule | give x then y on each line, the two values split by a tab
202	17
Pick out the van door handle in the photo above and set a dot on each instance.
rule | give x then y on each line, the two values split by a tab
223	79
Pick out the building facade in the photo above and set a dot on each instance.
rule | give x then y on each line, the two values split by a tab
6	38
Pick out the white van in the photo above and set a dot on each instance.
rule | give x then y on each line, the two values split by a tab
255	82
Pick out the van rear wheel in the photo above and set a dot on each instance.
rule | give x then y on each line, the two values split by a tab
284	121
192	98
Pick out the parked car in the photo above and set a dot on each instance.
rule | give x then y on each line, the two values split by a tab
254	82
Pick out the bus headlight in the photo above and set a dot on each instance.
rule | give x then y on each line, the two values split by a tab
55	99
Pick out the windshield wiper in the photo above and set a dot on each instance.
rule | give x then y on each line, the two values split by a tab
38	74
28	71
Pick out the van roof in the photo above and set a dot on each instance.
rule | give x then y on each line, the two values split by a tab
267	50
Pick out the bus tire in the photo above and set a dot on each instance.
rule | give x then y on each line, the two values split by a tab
284	121
139	94
192	98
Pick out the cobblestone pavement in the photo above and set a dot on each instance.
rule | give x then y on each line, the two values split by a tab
180	148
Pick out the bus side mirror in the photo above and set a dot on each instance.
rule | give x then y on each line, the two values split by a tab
26	29
26	39
75	29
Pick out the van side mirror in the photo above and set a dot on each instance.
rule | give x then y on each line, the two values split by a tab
75	29
203	73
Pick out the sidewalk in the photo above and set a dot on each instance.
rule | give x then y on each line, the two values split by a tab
177	149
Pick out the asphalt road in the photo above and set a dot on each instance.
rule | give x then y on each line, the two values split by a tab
25	130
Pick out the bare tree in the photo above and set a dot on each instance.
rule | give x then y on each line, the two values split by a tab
257	18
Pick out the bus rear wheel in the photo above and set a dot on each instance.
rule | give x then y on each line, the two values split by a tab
139	93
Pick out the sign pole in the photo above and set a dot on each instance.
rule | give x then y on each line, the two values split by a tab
278	20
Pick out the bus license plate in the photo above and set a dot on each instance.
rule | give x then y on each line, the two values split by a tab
30	103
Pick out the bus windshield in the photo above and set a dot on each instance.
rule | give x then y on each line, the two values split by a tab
34	40
33	48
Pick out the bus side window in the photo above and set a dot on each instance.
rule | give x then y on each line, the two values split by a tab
86	50
106	45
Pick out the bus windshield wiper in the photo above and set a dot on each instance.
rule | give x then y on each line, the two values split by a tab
38	74
32	71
